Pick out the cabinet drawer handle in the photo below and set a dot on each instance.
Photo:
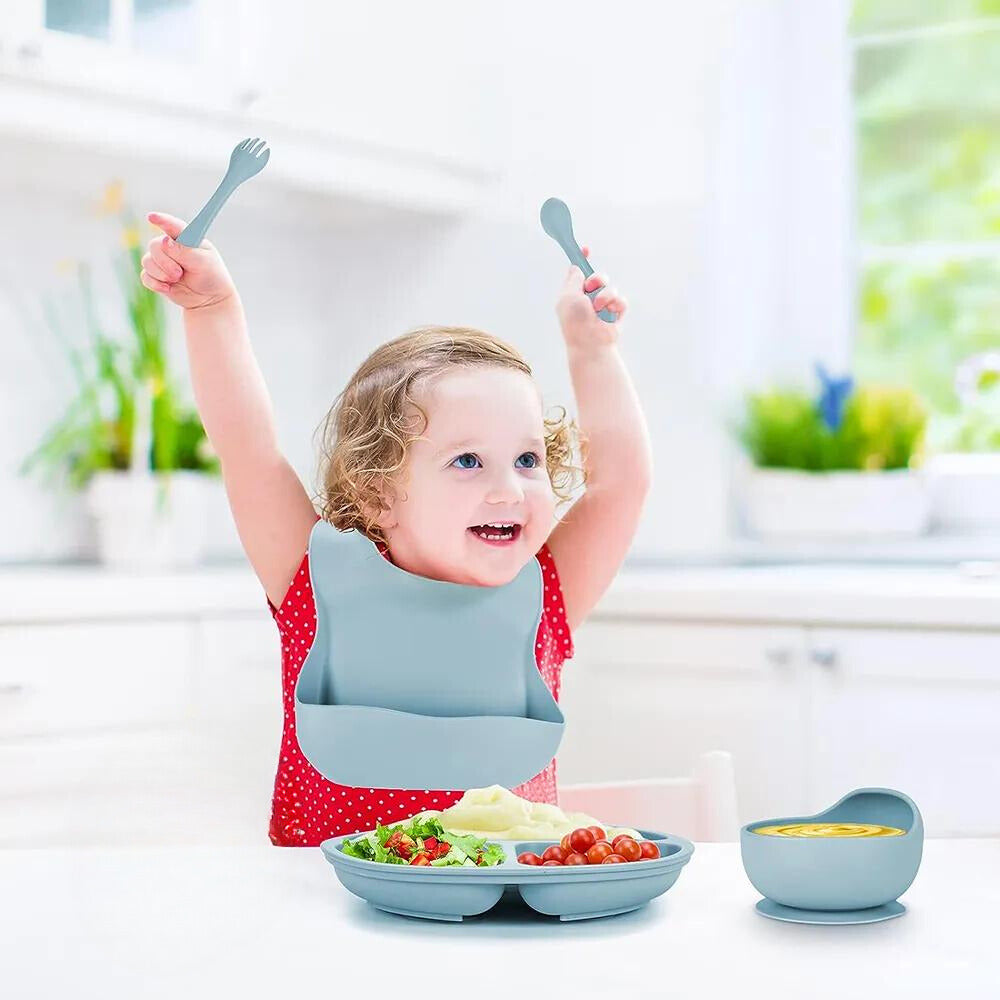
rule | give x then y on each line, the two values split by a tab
779	656
824	657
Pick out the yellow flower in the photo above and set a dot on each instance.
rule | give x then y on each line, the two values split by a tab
112	203
131	237
66	264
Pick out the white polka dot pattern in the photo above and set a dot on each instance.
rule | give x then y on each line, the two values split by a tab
306	808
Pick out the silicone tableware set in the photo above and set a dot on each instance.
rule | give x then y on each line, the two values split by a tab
837	880
362	722
570	893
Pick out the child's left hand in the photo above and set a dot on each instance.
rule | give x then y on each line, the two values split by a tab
581	326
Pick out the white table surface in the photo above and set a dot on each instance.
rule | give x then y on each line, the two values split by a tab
274	922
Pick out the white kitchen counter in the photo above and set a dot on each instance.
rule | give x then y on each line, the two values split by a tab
830	593
266	921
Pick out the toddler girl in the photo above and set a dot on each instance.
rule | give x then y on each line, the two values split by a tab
438	451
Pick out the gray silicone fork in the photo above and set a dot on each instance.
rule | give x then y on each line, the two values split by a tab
558	223
248	158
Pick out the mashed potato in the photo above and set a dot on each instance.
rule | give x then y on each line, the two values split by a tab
497	813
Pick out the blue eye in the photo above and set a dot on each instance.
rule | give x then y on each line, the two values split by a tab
534	463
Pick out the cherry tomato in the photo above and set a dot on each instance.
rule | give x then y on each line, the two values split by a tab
582	840
621	836
565	843
575	858
545	864
598	852
528	858
613	859
649	850
554	853
420	859
628	849
598	833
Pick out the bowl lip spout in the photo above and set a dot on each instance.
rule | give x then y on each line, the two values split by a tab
914	829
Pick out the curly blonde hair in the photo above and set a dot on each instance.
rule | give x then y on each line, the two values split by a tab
367	432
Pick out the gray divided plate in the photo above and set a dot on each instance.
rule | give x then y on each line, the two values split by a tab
455	892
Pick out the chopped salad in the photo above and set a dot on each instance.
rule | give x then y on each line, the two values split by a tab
422	842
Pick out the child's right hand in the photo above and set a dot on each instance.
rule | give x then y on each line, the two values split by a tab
190	277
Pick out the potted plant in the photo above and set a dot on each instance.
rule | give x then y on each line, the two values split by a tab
843	464
964	467
126	439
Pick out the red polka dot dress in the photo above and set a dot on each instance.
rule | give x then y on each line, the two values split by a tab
307	808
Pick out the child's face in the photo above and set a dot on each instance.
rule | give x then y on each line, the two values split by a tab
480	460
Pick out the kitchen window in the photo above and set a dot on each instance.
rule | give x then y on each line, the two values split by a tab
926	90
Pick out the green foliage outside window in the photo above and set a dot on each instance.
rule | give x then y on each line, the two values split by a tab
927	137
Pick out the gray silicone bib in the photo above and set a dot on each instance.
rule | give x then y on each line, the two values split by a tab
418	683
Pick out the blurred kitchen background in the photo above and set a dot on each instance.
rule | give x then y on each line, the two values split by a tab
801	202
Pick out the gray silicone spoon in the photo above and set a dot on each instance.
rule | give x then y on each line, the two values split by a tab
558	223
247	159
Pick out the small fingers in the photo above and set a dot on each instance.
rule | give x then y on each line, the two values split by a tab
153	284
574	278
170	224
606	298
594	281
179	254
167	269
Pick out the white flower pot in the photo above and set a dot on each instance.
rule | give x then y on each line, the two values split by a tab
789	503
965	491
149	521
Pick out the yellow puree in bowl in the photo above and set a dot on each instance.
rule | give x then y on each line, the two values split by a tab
830	830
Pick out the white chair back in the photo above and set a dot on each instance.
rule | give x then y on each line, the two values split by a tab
700	807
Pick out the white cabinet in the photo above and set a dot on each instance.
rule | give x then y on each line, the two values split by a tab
139	731
175	84
81	677
913	709
238	680
807	712
645	699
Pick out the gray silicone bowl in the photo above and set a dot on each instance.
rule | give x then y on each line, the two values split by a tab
838	873
570	893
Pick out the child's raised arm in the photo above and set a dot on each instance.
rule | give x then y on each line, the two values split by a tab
272	510
591	541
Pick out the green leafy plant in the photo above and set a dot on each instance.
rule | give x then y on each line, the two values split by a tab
880	427
96	430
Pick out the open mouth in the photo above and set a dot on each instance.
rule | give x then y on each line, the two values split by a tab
499	533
